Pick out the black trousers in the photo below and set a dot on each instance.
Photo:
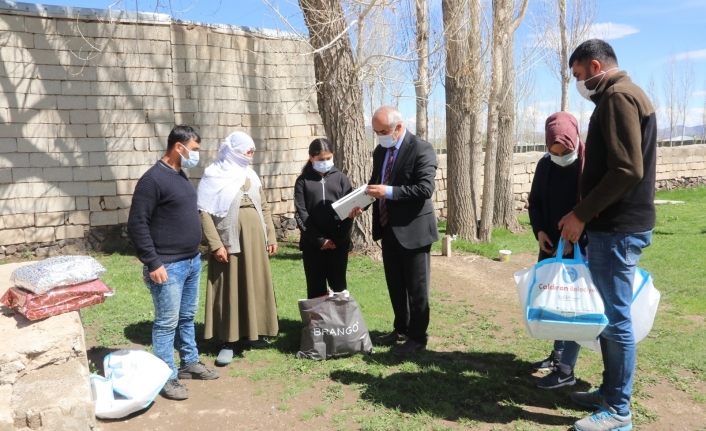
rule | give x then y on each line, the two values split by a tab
321	266
407	275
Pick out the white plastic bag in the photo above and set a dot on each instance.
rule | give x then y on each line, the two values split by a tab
42	276
645	300
560	300
135	376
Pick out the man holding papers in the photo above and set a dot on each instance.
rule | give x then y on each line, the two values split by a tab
402	182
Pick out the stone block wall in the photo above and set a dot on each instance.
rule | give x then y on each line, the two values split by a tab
88	102
226	80
44	375
676	167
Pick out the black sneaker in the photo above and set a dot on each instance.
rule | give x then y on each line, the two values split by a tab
409	347
260	343
556	379
174	390
390	339
197	371
546	364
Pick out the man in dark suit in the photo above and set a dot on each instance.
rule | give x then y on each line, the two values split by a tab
402	181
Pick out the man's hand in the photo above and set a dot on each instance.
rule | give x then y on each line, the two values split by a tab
571	227
271	249
376	190
545	244
328	245
355	212
568	248
221	255
159	275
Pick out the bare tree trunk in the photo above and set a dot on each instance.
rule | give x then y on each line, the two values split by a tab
563	56
670	96
476	94
503	27
685	83
340	99
421	85
500	21
461	219
574	19
504	215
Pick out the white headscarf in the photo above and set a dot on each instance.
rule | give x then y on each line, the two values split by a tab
223	179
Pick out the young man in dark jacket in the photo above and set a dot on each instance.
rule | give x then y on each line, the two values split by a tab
617	210
165	228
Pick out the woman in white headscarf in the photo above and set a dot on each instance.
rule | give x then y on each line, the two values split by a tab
237	225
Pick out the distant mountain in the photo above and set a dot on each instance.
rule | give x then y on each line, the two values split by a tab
696	131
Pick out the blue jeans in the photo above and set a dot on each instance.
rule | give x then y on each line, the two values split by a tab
613	258
175	304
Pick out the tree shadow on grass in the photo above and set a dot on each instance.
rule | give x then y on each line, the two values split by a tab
95	356
489	387
289	337
139	332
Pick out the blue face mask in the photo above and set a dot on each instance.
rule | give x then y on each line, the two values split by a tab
192	161
322	166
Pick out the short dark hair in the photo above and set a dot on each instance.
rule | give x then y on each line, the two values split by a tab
182	134
594	49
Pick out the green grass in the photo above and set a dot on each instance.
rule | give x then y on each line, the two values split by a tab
479	377
517	242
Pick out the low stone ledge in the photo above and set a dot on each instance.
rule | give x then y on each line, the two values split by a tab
44	376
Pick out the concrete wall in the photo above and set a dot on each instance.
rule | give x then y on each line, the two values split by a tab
88	99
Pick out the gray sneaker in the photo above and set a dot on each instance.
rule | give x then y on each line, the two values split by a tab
197	371
590	400
174	390
604	419
225	355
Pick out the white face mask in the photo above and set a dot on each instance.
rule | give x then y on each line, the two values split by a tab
322	166
386	141
192	160
584	91
241	160
566	159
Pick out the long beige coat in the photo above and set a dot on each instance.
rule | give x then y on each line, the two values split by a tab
240	299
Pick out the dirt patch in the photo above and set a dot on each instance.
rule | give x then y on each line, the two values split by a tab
237	402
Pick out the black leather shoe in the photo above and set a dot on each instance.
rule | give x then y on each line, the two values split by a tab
390	339
409	347
246	344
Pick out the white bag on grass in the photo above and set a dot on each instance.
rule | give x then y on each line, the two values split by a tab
135	376
560	300
645	300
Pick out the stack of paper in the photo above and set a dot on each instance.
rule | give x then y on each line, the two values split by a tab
357	198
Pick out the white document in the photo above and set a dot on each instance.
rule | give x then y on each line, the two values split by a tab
356	198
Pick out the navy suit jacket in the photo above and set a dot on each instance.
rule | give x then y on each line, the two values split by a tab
410	211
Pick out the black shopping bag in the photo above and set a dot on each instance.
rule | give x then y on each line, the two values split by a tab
333	327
